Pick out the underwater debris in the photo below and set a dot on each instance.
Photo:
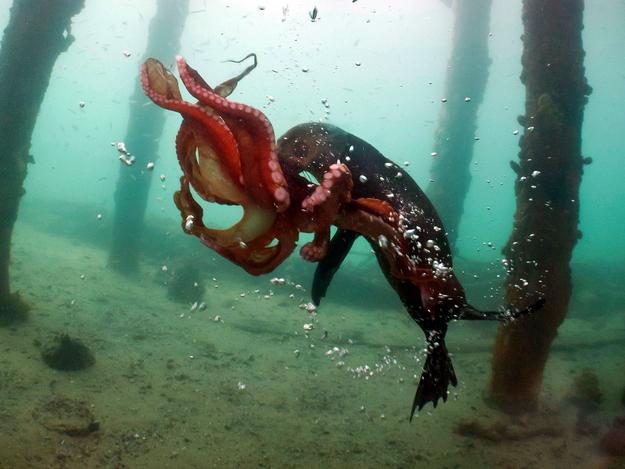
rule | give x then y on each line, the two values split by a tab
585	392
613	442
67	354
586	395
185	284
13	310
500	431
67	416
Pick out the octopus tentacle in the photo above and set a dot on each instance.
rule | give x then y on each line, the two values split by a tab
206	179
256	130
255	255
227	87
218	133
325	203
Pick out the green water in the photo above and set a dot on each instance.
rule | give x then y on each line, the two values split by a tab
238	383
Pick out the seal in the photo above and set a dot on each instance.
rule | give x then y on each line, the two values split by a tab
431	293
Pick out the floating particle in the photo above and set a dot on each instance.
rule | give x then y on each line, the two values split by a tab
127	53
358	64
150	165
127	160
313	14
261	7
443	100
515	132
467	99
351	148
81	104
308	327
99	216
277	281
434	154
241	386
535	173
164	268
311	308
162	176
305	69
271	98
382	241
362	178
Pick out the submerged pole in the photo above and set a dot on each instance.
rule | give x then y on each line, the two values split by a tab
549	173
37	33
467	75
145	125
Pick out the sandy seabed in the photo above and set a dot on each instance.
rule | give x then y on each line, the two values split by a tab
177	388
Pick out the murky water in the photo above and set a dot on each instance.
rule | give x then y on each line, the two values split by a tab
198	364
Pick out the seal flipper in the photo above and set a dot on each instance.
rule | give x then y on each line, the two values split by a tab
438	372
470	313
338	248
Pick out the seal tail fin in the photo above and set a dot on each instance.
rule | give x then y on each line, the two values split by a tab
438	372
470	313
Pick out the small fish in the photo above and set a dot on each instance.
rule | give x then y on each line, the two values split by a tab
313	14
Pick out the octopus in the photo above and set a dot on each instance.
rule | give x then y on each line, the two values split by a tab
229	155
